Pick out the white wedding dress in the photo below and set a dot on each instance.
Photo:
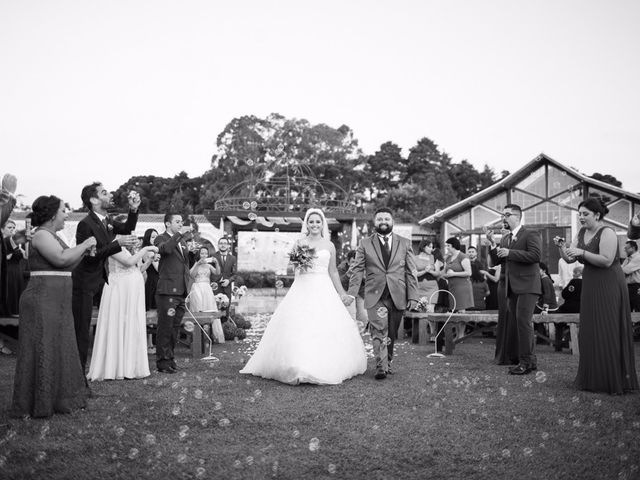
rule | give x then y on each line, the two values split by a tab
311	337
120	344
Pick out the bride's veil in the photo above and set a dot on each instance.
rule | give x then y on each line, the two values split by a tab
325	226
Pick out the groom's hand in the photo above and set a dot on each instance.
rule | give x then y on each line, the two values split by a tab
412	305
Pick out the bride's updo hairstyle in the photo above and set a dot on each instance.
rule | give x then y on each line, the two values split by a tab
44	208
595	205
325	226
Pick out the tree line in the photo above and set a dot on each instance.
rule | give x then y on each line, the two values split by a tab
252	149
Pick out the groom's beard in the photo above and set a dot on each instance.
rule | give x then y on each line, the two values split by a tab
384	229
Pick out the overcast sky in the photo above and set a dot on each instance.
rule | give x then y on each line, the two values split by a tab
105	90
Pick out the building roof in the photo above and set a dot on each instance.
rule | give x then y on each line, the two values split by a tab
515	177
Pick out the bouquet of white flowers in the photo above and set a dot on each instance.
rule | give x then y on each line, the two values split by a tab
222	301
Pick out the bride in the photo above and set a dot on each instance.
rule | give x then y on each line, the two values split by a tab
311	337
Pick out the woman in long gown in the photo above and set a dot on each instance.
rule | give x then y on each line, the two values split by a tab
120	345
311	337
151	277
49	378
605	338
201	298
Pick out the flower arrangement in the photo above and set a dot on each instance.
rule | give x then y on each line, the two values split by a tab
222	301
423	305
240	291
302	256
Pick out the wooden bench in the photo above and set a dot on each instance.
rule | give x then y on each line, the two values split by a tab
197	343
420	323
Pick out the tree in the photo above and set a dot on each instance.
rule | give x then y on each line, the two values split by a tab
386	168
606	178
252	148
466	180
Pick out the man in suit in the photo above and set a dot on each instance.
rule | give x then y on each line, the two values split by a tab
7	202
172	290
386	263
519	254
91	273
228	265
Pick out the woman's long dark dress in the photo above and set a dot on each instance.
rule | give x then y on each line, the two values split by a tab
605	338
49	378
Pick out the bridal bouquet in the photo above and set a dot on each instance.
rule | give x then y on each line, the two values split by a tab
302	256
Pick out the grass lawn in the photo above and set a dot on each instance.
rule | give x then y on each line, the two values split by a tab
459	417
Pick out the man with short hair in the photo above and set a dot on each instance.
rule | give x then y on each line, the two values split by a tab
228	265
91	273
386	263
631	269
172	290
519	254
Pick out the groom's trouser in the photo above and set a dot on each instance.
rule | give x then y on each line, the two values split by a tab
170	312
384	320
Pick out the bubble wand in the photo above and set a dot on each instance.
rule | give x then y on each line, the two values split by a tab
435	339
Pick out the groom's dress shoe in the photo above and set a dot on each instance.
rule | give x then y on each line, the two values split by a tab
380	374
520	370
167	370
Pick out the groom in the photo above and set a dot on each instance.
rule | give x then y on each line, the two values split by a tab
387	263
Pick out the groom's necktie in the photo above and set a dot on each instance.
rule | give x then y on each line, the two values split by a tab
386	254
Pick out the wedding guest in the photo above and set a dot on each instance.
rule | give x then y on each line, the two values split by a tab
631	269
7	202
228	265
547	300
478	281
519	253
151	277
429	265
49	377
458	274
634	227
201	296
572	292
91	273
173	287
120	345
570	304
492	276
606	362
16	265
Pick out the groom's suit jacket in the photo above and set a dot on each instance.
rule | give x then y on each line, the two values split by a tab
398	276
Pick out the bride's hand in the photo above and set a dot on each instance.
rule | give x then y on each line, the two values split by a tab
347	299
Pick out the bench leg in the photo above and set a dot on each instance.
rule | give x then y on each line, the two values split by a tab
423	333
196	343
448	339
415	335
574	329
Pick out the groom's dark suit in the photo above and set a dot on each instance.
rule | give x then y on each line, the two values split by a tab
91	273
520	283
173	287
